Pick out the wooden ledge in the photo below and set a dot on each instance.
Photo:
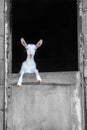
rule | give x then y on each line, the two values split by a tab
56	78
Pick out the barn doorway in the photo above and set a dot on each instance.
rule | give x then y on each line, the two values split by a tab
55	22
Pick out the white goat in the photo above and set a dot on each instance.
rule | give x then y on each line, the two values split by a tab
29	65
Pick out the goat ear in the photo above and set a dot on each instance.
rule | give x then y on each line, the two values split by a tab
40	42
23	42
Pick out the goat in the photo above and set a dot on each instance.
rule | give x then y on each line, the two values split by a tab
29	65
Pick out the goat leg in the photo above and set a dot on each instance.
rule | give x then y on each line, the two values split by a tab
19	83
38	78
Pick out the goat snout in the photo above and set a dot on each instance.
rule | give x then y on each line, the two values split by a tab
30	55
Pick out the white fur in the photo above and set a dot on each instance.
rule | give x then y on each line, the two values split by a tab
29	65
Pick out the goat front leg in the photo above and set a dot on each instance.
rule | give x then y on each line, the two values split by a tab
38	78
19	83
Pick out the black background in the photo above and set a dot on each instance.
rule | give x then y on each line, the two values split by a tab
55	21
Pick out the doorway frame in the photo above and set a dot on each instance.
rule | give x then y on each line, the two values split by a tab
8	50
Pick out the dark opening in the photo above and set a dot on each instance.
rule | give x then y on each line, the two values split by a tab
55	21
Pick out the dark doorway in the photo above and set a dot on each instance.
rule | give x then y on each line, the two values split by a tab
55	21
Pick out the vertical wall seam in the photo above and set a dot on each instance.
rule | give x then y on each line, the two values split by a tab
6	36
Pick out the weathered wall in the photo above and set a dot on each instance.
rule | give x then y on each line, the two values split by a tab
1	41
53	105
38	96
40	107
84	31
1	63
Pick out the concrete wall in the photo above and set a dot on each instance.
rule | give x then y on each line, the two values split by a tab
84	31
40	107
38	92
55	104
1	63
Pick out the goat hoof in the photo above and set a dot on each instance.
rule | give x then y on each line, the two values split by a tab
39	81
18	85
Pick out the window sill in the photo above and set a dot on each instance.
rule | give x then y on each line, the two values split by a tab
48	78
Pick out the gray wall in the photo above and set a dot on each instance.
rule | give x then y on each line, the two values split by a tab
1	62
55	104
84	31
2	46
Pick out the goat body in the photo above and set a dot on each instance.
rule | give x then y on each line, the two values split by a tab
29	65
